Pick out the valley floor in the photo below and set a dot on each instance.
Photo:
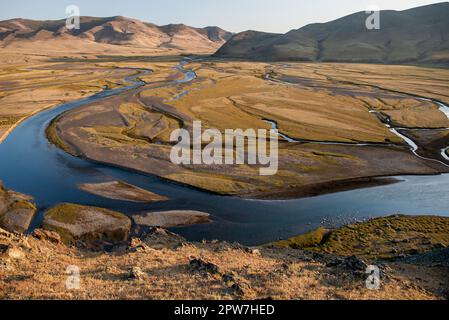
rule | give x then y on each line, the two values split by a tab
336	115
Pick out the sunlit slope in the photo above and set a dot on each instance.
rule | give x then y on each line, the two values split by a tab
415	35
109	35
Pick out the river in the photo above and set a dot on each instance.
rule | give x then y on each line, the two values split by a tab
31	165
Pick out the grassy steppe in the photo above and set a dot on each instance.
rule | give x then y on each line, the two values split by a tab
32	84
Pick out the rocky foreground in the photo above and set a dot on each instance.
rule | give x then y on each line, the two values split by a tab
162	265
66	259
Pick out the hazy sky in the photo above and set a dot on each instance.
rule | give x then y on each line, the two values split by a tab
233	15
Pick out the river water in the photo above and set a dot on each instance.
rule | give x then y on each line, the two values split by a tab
31	165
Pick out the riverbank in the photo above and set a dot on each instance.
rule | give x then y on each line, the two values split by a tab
36	84
327	188
388	238
366	168
131	131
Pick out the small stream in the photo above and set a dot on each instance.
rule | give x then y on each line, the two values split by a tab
386	120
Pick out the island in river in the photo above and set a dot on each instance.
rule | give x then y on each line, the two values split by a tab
339	128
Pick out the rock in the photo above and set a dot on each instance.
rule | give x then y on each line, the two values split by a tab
228	278
353	264
5	234
237	286
171	219
15	253
16	210
119	190
158	238
5	265
252	251
137	245
136	274
3	248
87	226
203	266
46	235
285	267
440	257
240	288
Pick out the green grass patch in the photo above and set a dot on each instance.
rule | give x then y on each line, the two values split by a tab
52	135
378	239
70	213
66	217
308	240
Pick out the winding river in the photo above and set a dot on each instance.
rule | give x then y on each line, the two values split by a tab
31	165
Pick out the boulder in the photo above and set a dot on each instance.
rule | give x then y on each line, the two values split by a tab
16	210
136	273
240	288
15	253
46	235
351	264
159	239
199	265
85	225
3	248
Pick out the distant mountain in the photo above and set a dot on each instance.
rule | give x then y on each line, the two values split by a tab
102	33
415	35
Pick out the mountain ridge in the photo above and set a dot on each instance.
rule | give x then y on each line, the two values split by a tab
101	33
412	35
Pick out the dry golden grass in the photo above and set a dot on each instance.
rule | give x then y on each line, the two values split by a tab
427	82
31	86
240	98
36	269
236	95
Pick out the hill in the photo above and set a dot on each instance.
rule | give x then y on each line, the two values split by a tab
108	35
410	36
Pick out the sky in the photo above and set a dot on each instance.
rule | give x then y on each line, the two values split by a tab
233	15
